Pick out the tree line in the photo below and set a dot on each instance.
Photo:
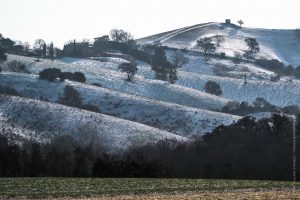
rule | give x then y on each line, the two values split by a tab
247	149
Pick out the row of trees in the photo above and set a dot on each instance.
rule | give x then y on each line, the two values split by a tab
208	47
42	50
248	149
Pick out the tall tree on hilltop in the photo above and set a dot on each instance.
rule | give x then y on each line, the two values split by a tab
240	22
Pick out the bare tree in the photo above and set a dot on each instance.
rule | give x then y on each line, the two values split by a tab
237	59
220	39
121	36
26	46
240	22
38	47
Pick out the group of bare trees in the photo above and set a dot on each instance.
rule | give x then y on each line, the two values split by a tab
43	50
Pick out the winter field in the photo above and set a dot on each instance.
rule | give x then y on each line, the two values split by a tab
93	189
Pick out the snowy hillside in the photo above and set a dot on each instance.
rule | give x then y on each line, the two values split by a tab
107	75
189	89
178	119
147	110
38	120
279	44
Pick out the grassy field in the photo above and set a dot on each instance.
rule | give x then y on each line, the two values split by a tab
126	188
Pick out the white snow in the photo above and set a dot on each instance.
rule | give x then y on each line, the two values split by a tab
274	44
38	120
182	120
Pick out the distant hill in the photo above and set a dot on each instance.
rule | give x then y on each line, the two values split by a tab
283	45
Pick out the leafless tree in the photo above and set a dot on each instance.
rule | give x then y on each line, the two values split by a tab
38	47
26	46
121	36
237	59
220	39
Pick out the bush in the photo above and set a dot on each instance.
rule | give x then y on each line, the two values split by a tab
17	66
213	88
9	91
50	74
222	55
245	108
3	56
291	110
91	107
79	77
67	75
273	65
97	84
71	97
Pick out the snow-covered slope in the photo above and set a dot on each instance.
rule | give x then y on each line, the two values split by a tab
189	89
278	44
175	118
107	75
41	121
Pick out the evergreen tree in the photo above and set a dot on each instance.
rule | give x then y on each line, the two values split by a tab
44	51
51	51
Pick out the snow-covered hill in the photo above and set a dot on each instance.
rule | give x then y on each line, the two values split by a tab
41	121
147	110
189	89
107	75
278	44
175	118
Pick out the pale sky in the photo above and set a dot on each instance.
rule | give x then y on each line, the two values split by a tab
62	20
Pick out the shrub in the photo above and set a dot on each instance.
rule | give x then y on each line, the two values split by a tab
97	84
67	75
17	66
79	77
222	55
50	74
274	65
91	107
245	108
292	110
71	97
213	88
3	56
8	91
